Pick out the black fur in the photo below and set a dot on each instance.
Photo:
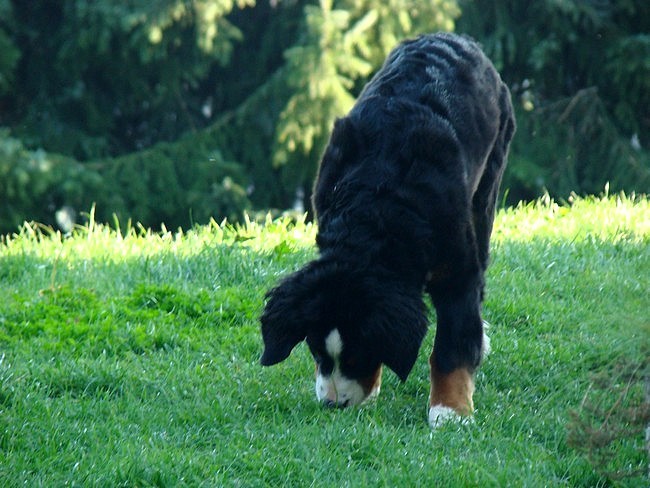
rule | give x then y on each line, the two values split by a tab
405	200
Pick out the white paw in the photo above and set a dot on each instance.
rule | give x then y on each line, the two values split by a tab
486	341
440	415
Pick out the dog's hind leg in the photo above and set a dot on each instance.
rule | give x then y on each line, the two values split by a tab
485	197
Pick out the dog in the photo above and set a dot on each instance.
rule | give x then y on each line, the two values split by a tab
404	200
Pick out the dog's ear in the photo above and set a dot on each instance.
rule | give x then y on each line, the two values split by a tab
288	315
282	327
402	326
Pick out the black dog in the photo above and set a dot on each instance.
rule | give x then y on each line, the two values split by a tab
405	200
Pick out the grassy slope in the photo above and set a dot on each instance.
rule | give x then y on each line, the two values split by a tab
134	360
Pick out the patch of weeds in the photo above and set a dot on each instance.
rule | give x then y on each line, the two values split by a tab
235	305
228	305
610	424
63	312
69	318
170	299
141	338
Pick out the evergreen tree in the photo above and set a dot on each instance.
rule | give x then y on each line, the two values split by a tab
102	78
343	43
581	73
177	110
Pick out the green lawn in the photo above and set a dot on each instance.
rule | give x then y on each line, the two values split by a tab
132	360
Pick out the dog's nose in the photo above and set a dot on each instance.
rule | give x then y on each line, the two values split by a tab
333	404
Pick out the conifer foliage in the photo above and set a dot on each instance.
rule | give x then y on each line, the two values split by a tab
173	111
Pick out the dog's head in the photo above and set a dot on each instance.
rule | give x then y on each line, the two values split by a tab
352	326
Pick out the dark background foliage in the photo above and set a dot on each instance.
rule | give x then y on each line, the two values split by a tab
175	111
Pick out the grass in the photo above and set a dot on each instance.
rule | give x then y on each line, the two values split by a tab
131	359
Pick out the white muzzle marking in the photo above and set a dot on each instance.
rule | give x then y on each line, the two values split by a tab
335	388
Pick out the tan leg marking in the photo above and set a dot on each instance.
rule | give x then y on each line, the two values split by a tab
372	384
453	390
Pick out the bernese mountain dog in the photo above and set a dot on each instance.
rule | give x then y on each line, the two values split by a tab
404	199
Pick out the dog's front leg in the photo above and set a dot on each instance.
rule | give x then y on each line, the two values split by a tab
457	352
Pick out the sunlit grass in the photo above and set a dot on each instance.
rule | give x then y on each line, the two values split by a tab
131	358
619	215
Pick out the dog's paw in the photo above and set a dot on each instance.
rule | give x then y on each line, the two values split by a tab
440	415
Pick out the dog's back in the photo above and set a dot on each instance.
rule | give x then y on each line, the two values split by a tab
446	83
416	145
